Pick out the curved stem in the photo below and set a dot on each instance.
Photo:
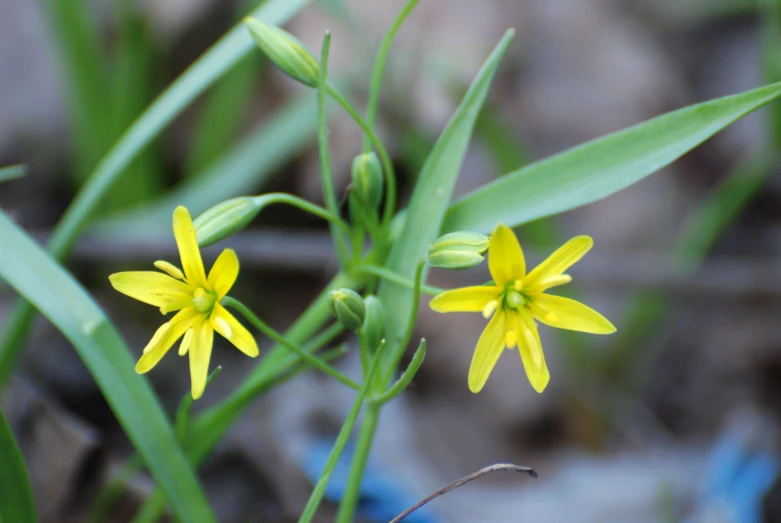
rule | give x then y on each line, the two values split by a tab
379	67
274	335
329	194
389	275
304	205
341	442
371	417
406	378
387	165
471	477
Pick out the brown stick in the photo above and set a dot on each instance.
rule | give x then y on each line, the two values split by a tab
471	477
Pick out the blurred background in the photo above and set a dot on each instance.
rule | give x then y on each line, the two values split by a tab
673	419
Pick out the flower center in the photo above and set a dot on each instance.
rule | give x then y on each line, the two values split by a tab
514	299
203	299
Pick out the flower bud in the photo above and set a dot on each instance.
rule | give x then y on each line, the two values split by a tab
458	250
367	180
374	326
225	218
286	51
347	306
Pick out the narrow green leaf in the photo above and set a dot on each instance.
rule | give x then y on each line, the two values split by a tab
430	200
16	498
241	170
130	91
54	292
78	42
11	172
195	80
601	167
221	116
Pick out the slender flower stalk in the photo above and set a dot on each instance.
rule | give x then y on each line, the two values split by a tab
516	301
196	300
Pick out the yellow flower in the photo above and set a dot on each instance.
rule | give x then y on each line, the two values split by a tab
196	297
515	300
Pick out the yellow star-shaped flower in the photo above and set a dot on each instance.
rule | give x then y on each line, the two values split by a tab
516	300
196	297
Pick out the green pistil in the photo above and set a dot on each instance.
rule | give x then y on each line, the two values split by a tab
203	300
514	299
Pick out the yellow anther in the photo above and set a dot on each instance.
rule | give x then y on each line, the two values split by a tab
518	285
490	308
551	318
169	269
186	341
554	281
510	339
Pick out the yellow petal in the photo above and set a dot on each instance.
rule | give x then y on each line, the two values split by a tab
561	260
184	232
465	299
564	313
200	354
224	273
505	257
530	349
489	348
229	327
165	337
154	288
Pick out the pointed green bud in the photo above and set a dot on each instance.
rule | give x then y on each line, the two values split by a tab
458	250
225	218
374	326
285	50
367	180
347	306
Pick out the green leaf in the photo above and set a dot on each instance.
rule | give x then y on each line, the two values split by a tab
54	292
221	115
212	65
11	172
82	54
16	498
430	200
601	167
240	171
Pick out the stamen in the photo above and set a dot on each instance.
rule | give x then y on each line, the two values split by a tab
175	306
534	347
518	285
490	308
164	328
554	281
223	327
186	341
551	318
511	339
169	269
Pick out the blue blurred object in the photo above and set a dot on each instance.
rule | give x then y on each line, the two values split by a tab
742	467
382	497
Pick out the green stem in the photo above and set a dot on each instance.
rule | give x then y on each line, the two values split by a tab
371	417
341	442
364	351
387	165
394	277
274	335
406	378
329	193
311	208
183	411
379	67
